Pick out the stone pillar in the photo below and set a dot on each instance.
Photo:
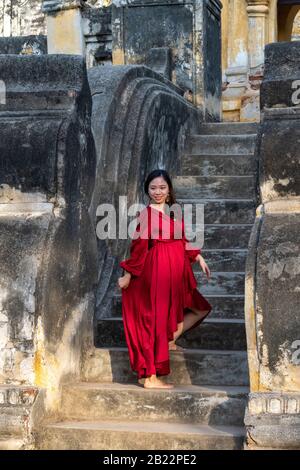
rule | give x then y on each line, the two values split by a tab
272	21
64	26
96	25
272	294
237	60
259	30
258	11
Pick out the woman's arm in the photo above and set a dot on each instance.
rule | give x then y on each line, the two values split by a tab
194	254
138	252
134	265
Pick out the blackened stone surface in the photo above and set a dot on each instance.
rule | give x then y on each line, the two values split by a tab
282	70
211	50
97	21
24	45
159	60
36	120
96	24
47	176
191	29
279	154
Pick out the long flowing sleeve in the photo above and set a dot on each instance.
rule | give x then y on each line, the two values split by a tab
192	253
138	252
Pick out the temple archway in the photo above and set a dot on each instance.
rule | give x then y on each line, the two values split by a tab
286	13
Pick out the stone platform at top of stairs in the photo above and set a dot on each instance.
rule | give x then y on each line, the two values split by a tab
211	334
191	366
134	435
132	402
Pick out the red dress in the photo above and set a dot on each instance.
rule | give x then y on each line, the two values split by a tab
162	288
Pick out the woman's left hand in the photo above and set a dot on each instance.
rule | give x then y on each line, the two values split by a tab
203	265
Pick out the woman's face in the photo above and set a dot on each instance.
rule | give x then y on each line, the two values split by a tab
158	190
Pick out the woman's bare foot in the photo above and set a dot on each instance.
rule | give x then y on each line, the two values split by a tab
175	347
155	382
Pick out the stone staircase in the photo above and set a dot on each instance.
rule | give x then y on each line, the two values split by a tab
205	410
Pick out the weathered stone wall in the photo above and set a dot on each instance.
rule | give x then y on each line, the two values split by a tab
24	45
273	275
21	18
47	242
190	29
96	23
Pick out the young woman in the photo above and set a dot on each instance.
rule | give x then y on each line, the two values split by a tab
160	299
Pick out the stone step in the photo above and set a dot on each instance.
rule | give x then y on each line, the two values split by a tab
223	211
224	306
211	334
220	236
191	366
221	144
216	333
227	306
132	402
135	435
227	128
217	165
224	260
214	187
221	283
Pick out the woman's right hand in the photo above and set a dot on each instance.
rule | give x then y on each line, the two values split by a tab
124	281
